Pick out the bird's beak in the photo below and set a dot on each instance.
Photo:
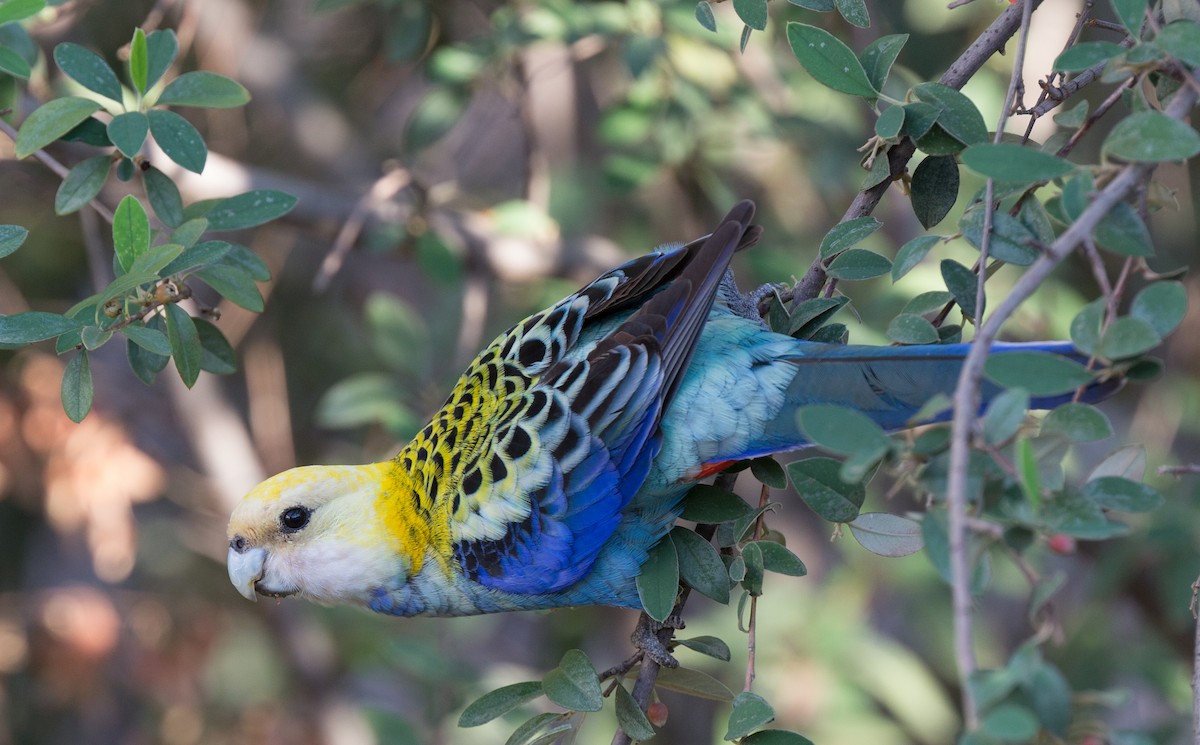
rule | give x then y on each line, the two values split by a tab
246	569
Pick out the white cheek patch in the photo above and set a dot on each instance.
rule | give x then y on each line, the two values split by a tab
331	571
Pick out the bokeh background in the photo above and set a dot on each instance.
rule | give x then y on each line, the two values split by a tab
459	164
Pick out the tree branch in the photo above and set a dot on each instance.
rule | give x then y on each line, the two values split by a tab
992	40
966	394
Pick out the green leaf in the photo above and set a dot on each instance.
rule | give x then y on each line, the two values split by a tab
540	729
243	258
77	391
934	189
362	399
14	64
919	118
146	364
829	61
234	285
498	703
630	716
1181	40
1122	231
959	117
188	232
750	711
88	69
1005	415
699	564
768	471
752	12
843	431
19	10
161	48
927	302
155	259
152	340
1161	306
846	234
962	284
218	356
11	238
1050	696
810	315
201	254
1078	422
574	684
888	126
93	337
912	253
1151	136
777	558
1132	14
207	89
858	264
1086	54
1009	162
178	139
250	209
693	683
185	344
708	645
819	484
1073	117
26	328
659	580
775	737
1040	373
879	56
433	118
1127	337
128	131
164	196
139	63
50	121
907	328
855	13
397	333
1085	327
1010	722
707	504
752	580
90	131
1121	494
82	184
1011	241
131	231
705	17
746	31
886	534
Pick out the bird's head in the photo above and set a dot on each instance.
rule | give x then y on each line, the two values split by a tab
312	531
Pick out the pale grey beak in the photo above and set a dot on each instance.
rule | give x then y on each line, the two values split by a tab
246	569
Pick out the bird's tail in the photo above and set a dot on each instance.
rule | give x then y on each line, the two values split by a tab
887	384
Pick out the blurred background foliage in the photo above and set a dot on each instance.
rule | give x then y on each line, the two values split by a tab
459	164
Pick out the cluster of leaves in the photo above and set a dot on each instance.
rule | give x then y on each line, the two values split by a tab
742	550
151	266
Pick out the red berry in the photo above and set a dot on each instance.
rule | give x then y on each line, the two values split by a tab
1062	544
657	713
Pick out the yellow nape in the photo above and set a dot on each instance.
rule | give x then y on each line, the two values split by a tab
410	517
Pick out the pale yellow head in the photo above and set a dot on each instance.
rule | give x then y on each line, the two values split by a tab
313	531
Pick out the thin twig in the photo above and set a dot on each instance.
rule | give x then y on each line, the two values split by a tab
966	394
52	163
764	498
992	40
384	188
1188	469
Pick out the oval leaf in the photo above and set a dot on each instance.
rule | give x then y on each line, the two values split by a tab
750	711
1040	373
498	702
131	231
185	344
934	189
1161	306
128	131
842	430
658	581
886	534
829	61
818	482
908	328
1078	422
77	391
630	716
1151	136
1123	495
912	253
26	328
50	121
82	184
11	238
859	264
250	209
178	139
207	89
574	684
700	565
88	69
1010	162
846	234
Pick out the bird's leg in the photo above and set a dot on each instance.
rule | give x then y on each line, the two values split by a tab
648	639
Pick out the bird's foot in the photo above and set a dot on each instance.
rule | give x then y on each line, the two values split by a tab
646	638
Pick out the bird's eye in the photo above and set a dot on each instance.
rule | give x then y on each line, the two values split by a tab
294	518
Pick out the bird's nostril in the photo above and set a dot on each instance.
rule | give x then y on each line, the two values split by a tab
238	544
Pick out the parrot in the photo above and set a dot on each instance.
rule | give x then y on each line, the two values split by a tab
563	453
